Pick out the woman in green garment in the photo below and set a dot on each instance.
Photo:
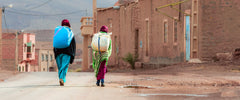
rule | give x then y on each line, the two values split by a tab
100	60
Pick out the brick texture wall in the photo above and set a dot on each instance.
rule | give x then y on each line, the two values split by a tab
8	51
219	27
110	18
132	18
35	63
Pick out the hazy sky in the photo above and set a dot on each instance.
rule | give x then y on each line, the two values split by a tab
47	14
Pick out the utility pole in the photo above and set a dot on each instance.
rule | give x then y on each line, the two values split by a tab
2	9
47	61
94	16
16	51
94	25
1	38
87	38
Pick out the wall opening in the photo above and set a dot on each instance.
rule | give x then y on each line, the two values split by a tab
116	49
147	37
165	31
46	57
42	57
26	67
22	68
187	37
175	31
136	41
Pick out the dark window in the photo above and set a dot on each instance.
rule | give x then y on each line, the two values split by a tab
175	30
46	57
28	48
147	37
19	68
51	57
42	57
165	32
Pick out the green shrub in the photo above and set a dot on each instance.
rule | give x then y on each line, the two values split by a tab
131	59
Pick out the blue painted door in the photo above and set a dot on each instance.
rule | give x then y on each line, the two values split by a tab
187	37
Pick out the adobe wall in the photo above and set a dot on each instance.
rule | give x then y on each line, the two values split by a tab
219	27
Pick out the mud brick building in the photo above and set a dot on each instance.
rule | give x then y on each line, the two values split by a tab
171	31
25	51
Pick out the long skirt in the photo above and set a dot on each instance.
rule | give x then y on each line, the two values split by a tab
102	70
63	61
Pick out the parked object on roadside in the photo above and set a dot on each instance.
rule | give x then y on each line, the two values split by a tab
64	55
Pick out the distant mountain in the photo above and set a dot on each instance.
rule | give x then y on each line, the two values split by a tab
47	35
43	35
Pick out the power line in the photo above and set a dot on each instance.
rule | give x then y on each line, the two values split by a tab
41	4
31	14
4	15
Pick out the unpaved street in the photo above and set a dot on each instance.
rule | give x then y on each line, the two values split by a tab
45	86
177	82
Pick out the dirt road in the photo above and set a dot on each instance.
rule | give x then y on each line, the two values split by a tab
177	82
45	86
208	81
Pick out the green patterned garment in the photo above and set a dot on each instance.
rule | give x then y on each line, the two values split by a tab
98	58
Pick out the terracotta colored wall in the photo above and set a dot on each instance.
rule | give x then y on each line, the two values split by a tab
9	46
133	17
126	1
160	52
43	65
21	55
219	27
8	50
110	18
35	63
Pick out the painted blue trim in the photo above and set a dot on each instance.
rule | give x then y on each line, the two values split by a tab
187	34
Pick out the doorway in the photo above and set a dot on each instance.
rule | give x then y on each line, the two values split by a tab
136	42
187	37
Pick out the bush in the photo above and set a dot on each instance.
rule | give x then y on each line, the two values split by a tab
131	59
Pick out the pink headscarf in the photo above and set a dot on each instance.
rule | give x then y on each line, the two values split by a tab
65	22
104	29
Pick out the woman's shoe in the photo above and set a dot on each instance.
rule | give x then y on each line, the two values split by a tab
61	82
102	85
98	83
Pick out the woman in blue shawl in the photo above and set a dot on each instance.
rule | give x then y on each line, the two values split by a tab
64	54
